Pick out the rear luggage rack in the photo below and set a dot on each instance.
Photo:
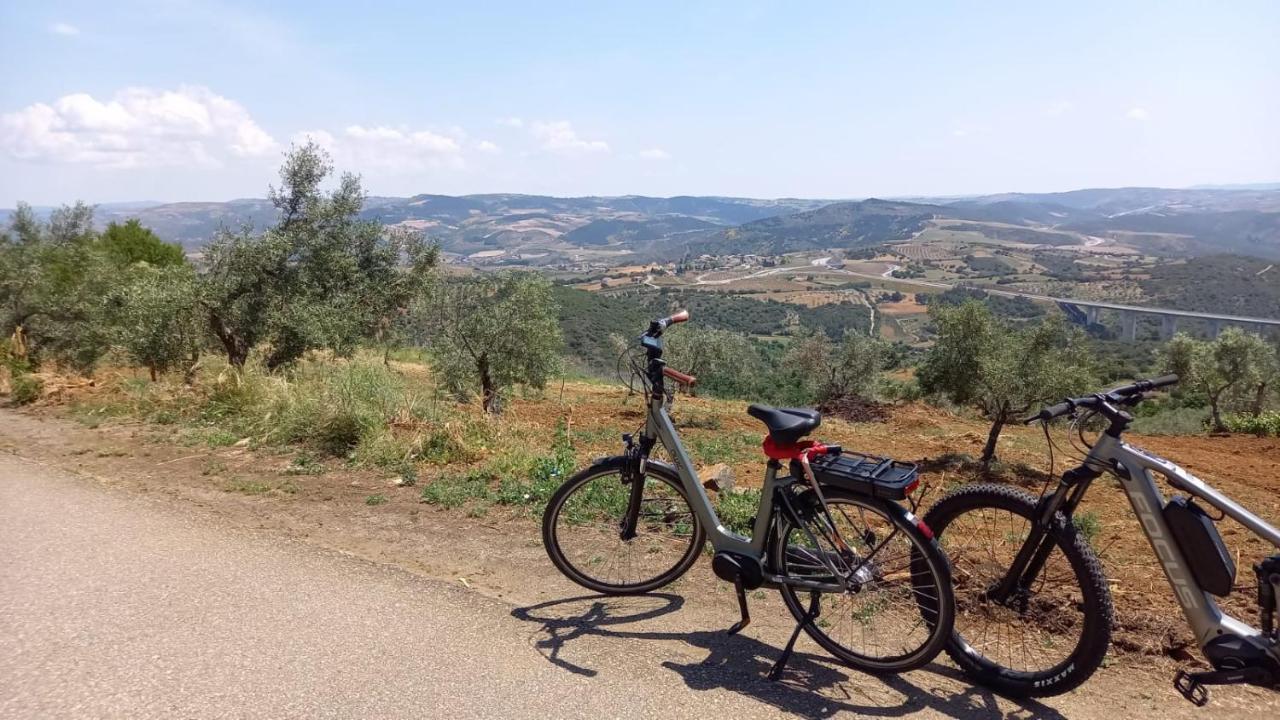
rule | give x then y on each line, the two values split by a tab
878	477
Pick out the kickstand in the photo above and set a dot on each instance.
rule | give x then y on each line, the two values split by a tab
809	616
742	608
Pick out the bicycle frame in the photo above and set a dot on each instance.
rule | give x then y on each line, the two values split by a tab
1137	470
658	426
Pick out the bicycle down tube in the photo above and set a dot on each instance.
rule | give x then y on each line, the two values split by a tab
1136	469
659	426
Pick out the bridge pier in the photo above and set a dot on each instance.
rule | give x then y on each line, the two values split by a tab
1215	328
1091	315
1168	326
1129	326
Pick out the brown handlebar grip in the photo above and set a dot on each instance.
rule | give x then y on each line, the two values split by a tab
679	376
679	317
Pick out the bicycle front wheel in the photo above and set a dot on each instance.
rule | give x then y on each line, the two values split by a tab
582	530
898	611
1052	632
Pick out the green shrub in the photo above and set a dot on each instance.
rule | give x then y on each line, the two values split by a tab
1265	424
1088	524
338	434
895	390
451	491
25	389
737	510
442	448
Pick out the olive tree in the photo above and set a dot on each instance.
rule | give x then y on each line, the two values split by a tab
53	284
157	320
1005	373
828	370
321	277
714	356
491	332
1237	366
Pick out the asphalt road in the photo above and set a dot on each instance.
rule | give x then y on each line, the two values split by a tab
112	605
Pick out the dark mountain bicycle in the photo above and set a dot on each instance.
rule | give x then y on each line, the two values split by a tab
830	526
1033	605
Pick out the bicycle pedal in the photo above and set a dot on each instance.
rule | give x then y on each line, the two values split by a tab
1190	687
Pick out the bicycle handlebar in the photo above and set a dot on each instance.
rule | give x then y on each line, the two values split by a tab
682	378
657	326
1116	395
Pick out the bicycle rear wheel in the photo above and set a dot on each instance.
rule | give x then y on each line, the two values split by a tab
1048	637
581	530
898	614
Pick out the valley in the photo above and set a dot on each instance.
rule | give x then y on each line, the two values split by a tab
1194	250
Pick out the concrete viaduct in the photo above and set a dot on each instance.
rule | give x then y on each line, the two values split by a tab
1086	313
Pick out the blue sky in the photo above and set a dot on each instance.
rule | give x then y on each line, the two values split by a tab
197	100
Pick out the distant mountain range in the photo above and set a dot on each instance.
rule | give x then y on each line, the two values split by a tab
533	228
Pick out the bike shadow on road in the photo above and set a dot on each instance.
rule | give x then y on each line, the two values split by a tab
812	685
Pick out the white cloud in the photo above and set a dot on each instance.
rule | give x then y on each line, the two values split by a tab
488	147
138	127
1137	113
66	29
655	154
560	136
959	132
511	122
396	149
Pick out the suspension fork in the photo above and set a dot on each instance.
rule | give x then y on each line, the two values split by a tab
633	475
1034	553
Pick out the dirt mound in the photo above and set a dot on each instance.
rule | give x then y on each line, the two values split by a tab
855	409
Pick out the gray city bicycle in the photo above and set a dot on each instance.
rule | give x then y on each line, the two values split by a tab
1033	605
830	525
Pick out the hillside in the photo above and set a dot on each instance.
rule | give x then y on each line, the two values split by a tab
1240	285
840	225
604	231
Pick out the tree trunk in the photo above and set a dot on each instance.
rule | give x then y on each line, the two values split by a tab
1259	398
236	348
1216	415
189	375
989	451
489	393
154	374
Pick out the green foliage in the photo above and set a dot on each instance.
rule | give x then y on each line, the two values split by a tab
492	332
1264	424
1230	284
375	500
1234	371
714	356
157	321
524	480
1000	305
130	243
319	278
53	284
738	509
1088	524
25	389
828	370
978	361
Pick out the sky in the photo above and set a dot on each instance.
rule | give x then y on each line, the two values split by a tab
199	99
